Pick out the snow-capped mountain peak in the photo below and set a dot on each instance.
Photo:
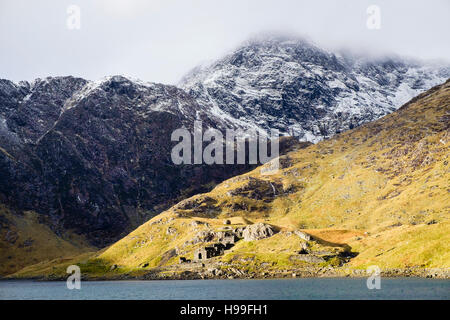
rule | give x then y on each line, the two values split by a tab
294	86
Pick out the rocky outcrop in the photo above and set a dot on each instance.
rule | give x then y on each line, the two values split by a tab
258	231
256	189
203	237
252	232
303	235
199	205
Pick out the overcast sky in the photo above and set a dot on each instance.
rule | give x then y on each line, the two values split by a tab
161	40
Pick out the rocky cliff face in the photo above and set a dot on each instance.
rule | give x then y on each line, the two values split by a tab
95	156
293	86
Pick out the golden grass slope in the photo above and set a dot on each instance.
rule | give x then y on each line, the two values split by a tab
381	190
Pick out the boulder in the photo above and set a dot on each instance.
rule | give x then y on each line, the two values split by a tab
171	230
304	248
258	231
303	235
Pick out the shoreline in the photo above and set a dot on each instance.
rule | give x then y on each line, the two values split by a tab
431	273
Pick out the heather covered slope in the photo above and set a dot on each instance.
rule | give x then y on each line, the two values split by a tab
378	194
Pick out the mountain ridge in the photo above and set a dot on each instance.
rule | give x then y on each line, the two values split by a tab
308	84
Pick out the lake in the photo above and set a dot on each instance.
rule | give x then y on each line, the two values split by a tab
287	289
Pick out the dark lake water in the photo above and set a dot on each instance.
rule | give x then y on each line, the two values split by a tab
303	289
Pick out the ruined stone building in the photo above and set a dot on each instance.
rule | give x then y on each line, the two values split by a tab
204	253
227	238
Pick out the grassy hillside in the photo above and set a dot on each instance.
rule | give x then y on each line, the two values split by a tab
24	240
378	194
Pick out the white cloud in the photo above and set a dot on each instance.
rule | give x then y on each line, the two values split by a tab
160	40
130	8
